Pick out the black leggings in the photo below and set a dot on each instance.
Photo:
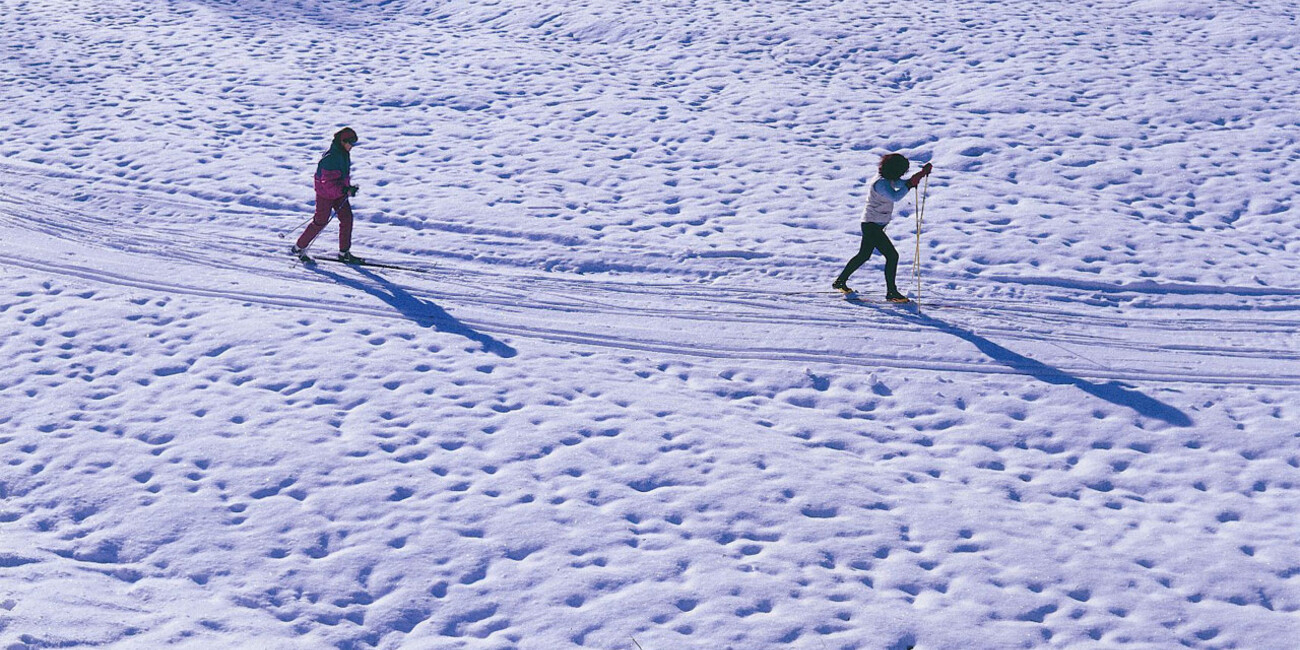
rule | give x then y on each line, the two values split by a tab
874	239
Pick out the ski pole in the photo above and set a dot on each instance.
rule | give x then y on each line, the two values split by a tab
919	203
299	227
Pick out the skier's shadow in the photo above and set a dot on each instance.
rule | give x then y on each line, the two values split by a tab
422	312
1113	391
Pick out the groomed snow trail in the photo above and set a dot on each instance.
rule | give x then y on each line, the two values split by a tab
1140	332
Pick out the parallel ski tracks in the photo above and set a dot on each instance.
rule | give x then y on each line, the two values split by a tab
524	304
528	307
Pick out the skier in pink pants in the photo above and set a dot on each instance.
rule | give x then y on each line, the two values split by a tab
333	187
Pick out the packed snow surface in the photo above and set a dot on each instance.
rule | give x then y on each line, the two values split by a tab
619	407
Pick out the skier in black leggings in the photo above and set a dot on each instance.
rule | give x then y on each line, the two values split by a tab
887	188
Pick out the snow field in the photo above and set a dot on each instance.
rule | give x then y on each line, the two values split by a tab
614	413
513	503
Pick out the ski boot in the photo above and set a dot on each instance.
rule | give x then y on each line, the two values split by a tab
894	296
348	258
842	287
301	254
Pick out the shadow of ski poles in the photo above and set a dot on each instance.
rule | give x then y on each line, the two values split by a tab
1112	391
422	312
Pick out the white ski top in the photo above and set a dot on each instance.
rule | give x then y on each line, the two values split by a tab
880	202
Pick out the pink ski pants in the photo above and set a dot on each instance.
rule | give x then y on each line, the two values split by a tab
324	207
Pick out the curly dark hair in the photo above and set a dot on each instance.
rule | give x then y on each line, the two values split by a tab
893	166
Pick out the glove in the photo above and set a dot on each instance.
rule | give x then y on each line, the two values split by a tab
916	178
352	190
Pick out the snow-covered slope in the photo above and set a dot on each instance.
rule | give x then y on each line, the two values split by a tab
618	408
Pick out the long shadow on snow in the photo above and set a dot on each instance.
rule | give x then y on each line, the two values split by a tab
1148	287
423	312
1112	391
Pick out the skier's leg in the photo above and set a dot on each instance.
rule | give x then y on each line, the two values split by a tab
891	260
318	222
865	248
344	211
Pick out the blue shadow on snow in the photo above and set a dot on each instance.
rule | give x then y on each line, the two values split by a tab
1112	391
422	312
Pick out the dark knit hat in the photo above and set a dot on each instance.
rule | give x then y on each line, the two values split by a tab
345	134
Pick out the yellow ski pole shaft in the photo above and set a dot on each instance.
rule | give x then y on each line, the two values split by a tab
919	203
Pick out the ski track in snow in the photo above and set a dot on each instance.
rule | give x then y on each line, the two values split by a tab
588	305
620	409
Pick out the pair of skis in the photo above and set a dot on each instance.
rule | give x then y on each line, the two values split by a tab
852	296
309	260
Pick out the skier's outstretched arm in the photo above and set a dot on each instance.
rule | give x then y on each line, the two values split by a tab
887	189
